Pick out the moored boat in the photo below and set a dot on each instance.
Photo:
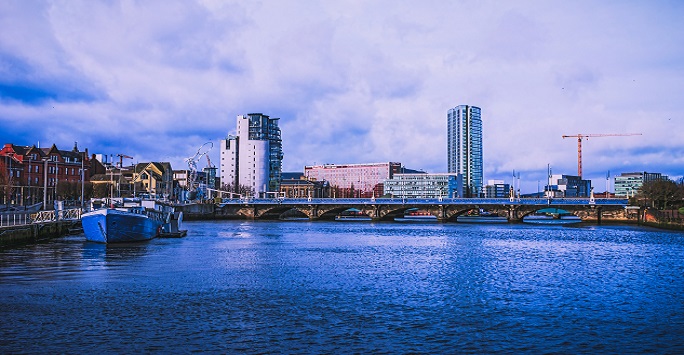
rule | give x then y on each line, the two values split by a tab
353	215
552	216
118	225
416	216
482	216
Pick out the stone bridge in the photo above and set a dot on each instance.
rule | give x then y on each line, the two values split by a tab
381	209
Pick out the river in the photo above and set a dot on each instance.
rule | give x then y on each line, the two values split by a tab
332	287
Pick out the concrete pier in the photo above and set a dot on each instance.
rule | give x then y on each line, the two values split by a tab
31	233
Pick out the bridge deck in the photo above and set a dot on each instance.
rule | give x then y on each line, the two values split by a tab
431	201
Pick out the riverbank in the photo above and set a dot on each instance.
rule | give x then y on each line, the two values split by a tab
669	219
32	233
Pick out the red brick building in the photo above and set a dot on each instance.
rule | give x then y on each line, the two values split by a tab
29	174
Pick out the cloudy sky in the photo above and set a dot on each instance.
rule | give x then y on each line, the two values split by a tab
352	81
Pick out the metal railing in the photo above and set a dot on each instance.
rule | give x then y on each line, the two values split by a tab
22	219
14	219
44	216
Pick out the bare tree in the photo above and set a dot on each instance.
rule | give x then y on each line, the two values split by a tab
243	190
661	194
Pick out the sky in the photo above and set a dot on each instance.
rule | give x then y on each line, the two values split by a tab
352	81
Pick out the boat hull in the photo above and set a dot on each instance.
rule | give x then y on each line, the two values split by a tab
551	220
481	219
353	218
114	226
416	219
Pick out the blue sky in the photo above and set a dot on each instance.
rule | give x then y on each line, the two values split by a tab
352	81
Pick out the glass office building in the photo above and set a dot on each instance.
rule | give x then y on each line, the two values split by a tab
464	147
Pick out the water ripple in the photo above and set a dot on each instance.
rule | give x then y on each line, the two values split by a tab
268	287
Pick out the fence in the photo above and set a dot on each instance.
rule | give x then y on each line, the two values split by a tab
25	218
15	219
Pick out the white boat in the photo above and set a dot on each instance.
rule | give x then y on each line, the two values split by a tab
552	216
416	216
123	224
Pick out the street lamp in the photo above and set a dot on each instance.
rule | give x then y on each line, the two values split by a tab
10	181
82	181
45	169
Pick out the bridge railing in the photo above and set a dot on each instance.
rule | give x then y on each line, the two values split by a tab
15	219
428	201
18	219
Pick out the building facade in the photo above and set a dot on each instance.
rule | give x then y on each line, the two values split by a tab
253	158
295	185
464	147
568	186
29	175
424	186
353	180
628	184
153	179
497	189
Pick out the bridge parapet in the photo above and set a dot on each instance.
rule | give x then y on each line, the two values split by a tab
384	208
429	201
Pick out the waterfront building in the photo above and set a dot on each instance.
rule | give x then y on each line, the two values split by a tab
253	158
464	147
29	174
497	189
353	180
628	184
296	185
153	179
424	185
568	186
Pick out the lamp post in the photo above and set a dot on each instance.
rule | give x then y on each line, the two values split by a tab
45	169
28	183
56	178
10	181
82	181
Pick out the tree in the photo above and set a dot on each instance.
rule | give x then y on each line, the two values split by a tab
661	193
101	190
243	190
6	185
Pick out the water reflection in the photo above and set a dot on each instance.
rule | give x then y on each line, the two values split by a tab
272	287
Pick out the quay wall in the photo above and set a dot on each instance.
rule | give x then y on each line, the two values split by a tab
31	233
671	220
197	211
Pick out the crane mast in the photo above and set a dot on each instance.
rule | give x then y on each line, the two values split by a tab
581	136
121	156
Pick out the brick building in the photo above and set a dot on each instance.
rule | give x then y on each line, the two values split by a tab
31	175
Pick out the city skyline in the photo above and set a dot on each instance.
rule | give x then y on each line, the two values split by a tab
352	82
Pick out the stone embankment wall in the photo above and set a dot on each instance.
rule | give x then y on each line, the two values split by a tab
668	219
609	216
197	211
31	233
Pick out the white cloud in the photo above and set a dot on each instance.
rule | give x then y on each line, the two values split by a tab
352	81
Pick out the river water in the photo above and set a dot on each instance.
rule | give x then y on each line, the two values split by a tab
327	287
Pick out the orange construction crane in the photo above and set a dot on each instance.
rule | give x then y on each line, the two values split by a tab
583	136
121	156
